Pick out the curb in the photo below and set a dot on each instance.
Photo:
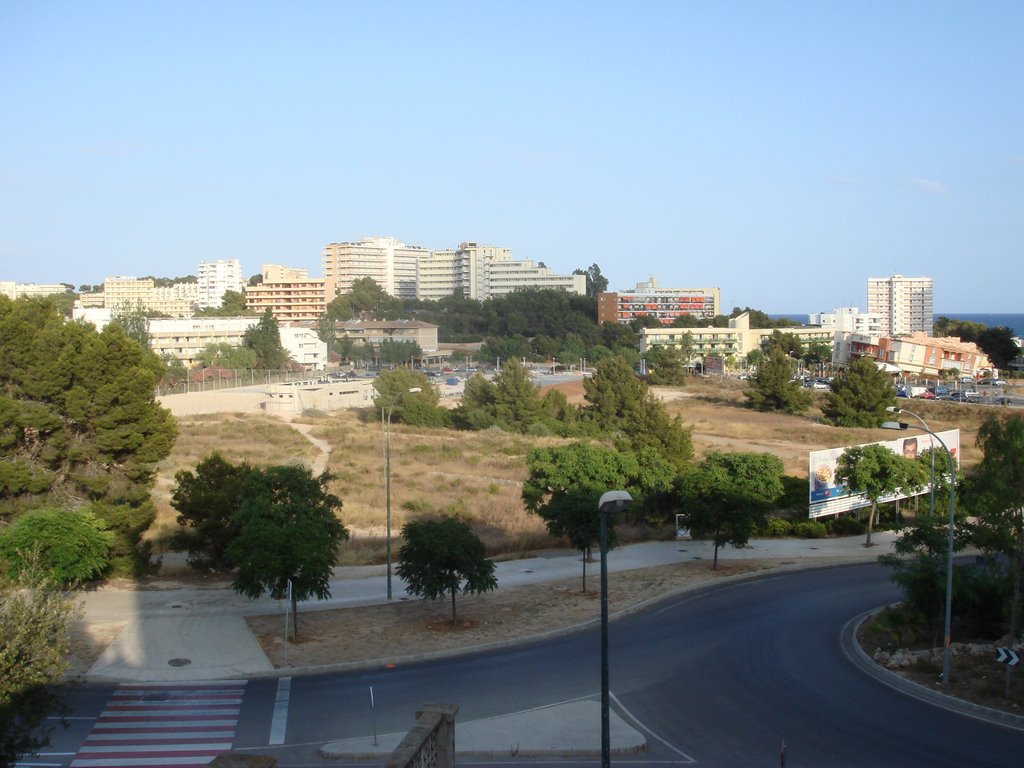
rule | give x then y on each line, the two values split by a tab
859	657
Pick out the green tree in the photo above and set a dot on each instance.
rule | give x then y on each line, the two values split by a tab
859	395
964	330
34	651
264	339
564	484
517	404
399	352
876	471
613	392
326	332
207	502
621	405
417	408
65	547
289	533
727	496
133	322
79	424
227	356
666	366
789	343
999	345
997	499
478	409
596	282
440	557
773	388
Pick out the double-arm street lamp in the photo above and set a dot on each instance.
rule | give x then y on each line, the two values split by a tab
387	472
610	503
947	640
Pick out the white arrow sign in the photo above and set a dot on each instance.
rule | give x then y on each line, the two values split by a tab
1007	656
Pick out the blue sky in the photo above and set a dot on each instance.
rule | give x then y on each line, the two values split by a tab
781	151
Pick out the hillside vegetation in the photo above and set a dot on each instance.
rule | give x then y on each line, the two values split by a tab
477	476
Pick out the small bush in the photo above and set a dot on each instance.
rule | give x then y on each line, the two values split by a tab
810	529
71	547
778	526
846	525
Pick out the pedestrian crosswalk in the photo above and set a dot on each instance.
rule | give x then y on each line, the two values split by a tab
165	725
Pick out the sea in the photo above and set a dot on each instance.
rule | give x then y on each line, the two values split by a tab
1013	321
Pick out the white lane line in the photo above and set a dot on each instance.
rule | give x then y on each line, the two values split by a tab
653	735
279	723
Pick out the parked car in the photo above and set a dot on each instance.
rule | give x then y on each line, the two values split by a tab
969	396
926	395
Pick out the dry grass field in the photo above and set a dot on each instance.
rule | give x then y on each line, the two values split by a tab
477	476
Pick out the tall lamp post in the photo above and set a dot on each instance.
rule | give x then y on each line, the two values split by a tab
387	474
610	503
947	640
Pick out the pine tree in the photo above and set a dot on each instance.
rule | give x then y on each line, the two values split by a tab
859	396
773	389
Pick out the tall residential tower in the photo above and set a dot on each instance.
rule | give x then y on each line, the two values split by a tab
905	303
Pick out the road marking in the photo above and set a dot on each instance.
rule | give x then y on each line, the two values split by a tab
279	723
163	726
632	717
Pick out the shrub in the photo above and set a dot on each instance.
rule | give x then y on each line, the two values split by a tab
846	525
69	547
778	526
810	529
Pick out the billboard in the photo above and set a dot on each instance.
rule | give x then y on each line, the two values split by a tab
828	497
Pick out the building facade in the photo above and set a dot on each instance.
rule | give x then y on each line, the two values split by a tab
905	303
376	332
13	290
128	294
290	294
919	354
736	341
217	277
664	304
388	262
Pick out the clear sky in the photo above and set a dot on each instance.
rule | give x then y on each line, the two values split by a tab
782	151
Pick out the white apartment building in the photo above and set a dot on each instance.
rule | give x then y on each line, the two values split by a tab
905	303
133	293
216	277
849	322
483	271
13	290
390	263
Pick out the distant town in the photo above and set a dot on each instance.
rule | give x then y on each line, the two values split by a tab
896	329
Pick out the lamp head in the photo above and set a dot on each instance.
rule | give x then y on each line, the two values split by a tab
413	390
894	409
894	425
614	501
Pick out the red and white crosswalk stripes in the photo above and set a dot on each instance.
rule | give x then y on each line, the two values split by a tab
164	725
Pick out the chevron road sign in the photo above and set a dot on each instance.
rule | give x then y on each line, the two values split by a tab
1007	656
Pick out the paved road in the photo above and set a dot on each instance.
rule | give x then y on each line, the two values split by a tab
719	677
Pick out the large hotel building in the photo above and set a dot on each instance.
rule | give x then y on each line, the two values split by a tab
905	303
664	304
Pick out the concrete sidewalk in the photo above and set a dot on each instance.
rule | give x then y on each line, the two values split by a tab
181	635
201	634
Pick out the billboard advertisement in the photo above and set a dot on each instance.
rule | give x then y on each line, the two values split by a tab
829	497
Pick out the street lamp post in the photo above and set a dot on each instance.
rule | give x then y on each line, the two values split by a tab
611	502
947	640
387	476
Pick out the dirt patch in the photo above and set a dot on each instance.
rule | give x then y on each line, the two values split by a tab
412	627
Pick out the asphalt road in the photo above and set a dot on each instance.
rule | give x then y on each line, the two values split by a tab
720	677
